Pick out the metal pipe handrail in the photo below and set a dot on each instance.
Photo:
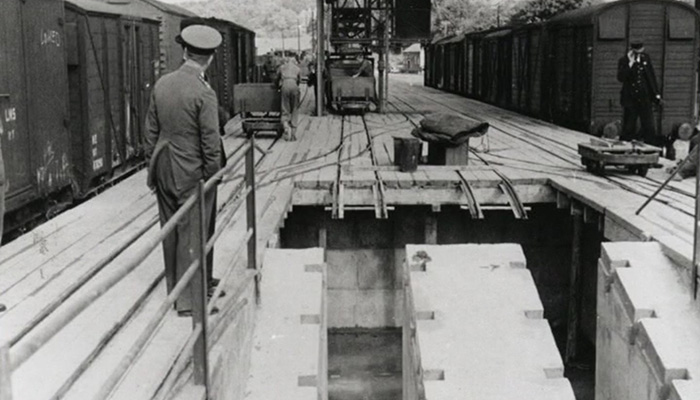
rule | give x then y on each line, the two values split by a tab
147	332
78	283
23	351
13	358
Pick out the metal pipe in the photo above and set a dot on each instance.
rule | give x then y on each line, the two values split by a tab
77	284
250	217
5	374
199	290
320	55
696	241
663	185
63	317
150	329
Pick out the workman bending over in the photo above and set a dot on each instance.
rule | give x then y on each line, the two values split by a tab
183	145
365	67
639	91
289	75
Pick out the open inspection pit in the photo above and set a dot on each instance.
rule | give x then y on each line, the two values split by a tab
365	258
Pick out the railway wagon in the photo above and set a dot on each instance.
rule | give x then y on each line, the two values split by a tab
585	45
347	92
435	63
34	116
565	70
232	59
112	61
170	17
527	61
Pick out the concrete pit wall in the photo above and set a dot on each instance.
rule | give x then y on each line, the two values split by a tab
648	345
364	256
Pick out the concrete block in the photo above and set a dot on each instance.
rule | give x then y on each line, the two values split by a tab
287	341
342	269
648	326
376	269
486	339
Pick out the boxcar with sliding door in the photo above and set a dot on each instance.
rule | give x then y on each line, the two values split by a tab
589	43
112	61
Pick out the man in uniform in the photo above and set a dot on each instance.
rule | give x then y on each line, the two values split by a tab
183	144
289	75
639	91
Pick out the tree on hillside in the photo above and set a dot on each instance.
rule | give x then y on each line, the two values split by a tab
542	10
460	16
281	21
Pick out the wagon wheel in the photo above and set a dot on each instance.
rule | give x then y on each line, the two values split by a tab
642	171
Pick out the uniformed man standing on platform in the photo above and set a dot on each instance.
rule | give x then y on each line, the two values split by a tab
289	75
183	144
639	92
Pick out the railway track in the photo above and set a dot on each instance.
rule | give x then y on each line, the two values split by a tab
540	142
506	185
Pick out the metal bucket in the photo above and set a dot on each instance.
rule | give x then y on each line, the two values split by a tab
407	152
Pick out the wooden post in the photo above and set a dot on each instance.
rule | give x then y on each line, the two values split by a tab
250	206
696	241
199	290
574	283
320	58
383	58
5	374
431	228
387	30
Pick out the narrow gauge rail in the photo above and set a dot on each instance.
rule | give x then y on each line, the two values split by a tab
531	138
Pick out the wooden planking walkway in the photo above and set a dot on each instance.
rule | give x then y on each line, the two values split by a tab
542	150
536	156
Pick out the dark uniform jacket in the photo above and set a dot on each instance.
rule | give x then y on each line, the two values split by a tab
638	82
183	118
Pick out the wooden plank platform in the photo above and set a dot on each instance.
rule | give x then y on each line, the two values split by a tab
480	327
40	268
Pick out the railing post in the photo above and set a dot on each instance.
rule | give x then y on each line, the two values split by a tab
250	205
199	294
5	374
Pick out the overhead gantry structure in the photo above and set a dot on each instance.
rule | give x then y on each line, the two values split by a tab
372	26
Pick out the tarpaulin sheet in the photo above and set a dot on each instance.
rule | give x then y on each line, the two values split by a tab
450	130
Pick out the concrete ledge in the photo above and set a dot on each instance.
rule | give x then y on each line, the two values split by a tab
486	338
289	356
648	326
